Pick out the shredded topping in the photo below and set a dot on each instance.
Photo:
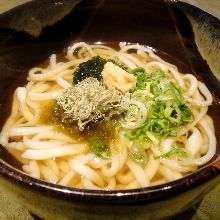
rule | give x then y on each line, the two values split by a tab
90	101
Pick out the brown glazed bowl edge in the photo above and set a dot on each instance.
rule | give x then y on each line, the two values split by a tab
148	194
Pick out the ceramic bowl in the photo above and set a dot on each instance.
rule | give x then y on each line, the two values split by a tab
177	29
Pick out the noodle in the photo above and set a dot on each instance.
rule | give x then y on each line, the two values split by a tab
57	157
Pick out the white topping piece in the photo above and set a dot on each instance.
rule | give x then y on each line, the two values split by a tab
115	77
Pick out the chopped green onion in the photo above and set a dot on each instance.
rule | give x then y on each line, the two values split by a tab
176	93
138	156
175	151
100	149
152	138
165	105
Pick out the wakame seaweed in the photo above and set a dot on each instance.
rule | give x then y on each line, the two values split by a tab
93	68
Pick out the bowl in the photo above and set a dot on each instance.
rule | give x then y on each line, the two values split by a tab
172	27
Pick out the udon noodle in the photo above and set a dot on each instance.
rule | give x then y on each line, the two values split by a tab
49	154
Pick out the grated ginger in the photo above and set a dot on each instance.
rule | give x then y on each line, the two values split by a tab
115	77
90	101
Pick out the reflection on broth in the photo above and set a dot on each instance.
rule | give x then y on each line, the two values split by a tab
106	118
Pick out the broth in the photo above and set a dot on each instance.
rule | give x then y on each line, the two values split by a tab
93	131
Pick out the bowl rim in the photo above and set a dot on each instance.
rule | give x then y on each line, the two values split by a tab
140	195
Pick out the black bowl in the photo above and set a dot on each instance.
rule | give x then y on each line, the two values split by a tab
169	27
